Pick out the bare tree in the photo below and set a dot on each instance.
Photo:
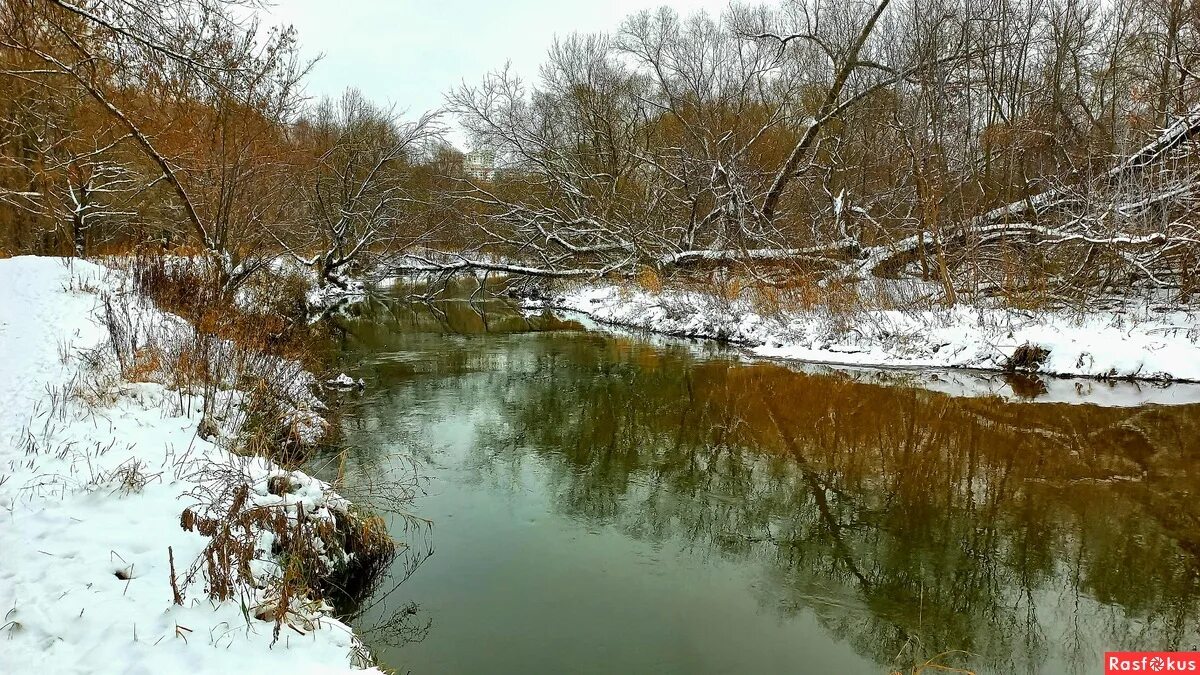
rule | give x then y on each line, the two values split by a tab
958	147
662	147
196	64
356	195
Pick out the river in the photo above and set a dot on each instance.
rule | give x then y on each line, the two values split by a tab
591	502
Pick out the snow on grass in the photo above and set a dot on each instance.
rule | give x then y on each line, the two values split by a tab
1159	347
95	473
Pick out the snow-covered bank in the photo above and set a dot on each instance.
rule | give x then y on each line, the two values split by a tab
958	382
95	475
1158	347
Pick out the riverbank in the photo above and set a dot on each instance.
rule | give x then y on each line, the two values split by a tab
1128	345
135	539
801	517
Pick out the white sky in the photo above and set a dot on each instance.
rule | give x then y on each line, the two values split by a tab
409	53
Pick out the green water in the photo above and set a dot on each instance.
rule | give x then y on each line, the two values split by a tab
603	504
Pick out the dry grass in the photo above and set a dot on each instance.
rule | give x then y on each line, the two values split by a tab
260	349
131	477
649	280
272	321
221	346
147	365
778	292
1026	357
247	370
314	554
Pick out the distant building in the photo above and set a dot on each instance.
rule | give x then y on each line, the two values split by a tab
480	164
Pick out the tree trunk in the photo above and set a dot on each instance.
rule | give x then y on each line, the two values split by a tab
77	234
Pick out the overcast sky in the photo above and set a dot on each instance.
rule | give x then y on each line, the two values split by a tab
408	53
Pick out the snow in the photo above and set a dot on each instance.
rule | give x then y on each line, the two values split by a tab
344	381
1145	347
95	473
330	296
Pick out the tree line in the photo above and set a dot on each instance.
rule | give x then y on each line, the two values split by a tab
961	147
184	123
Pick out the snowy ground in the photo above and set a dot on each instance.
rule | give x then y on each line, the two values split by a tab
94	475
1150	349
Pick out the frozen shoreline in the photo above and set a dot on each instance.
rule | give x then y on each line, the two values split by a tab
960	351
95	474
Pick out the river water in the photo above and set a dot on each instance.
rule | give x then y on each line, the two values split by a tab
600	503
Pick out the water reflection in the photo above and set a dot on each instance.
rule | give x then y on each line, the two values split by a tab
909	525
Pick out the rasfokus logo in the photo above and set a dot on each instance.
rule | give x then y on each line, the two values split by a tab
1151	662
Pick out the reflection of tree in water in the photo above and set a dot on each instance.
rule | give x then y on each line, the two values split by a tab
908	521
382	320
379	612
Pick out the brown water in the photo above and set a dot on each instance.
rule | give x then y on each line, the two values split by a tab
611	504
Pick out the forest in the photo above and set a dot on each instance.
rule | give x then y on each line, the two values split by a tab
1032	153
